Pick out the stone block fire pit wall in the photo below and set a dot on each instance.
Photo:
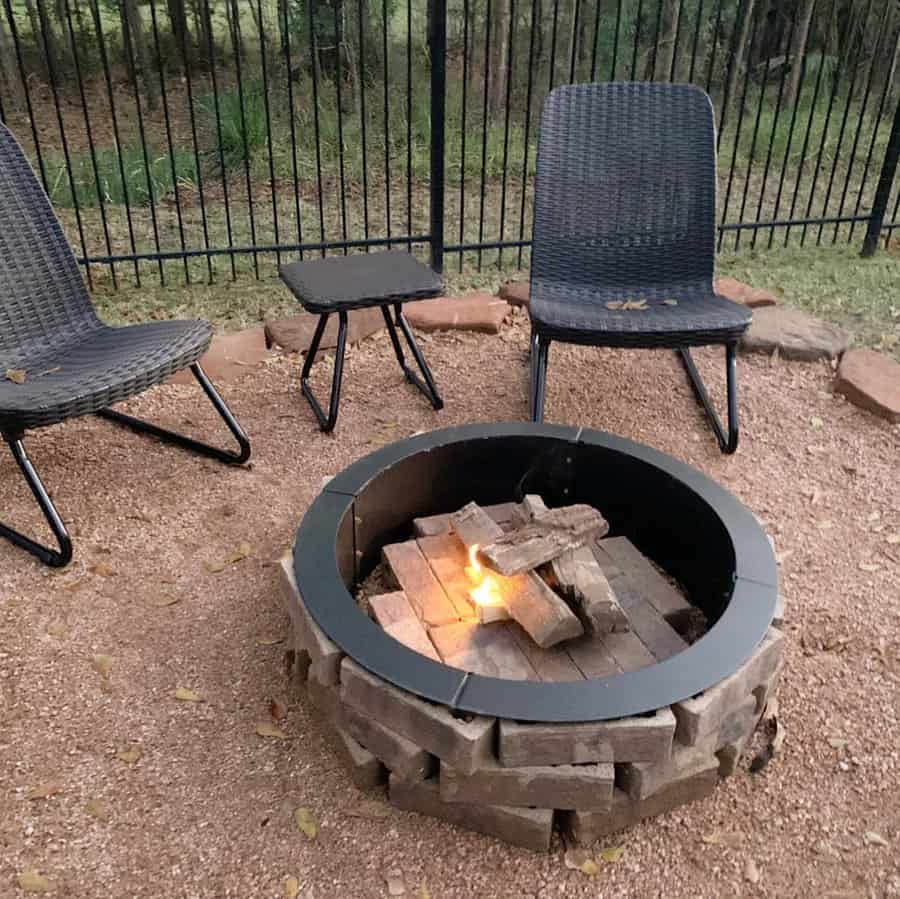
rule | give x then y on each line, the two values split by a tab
586	753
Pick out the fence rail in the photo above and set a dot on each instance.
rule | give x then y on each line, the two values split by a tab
197	139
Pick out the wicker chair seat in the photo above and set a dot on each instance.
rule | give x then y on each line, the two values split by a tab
98	369
580	314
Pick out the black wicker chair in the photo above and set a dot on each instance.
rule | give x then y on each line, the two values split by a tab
624	231
72	363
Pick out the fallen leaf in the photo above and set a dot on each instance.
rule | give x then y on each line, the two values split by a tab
423	891
869	567
837	742
45	791
98	809
16	375
102	665
102	569
215	567
783	556
33	881
670	302
306	822
291	887
873	516
778	738
269	641
395	884
751	871
817	422
723	838
57	629
370	808
825	525
267	729
634	304
240	553
893	539
187	695
871	838
162	601
131	755
614	304
612	853
277	709
580	860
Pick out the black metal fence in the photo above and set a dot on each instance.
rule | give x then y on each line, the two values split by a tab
205	138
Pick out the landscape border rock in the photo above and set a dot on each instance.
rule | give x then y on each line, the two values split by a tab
794	334
229	356
294	333
481	312
871	381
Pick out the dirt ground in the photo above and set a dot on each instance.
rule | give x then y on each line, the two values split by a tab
111	787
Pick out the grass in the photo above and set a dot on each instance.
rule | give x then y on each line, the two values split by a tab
862	295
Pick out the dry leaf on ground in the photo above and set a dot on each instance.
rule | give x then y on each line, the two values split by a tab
34	882
723	838
291	887
241	553
580	860
130	755
16	375
306	822
872	838
612	853
751	871
269	641
893	539
215	567
102	665
277	709
45	791
162	601
98	809
102	569
670	302
187	695
422	892
267	729
395	884
370	808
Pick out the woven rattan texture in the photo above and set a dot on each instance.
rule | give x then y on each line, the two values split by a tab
73	363
360	281
624	209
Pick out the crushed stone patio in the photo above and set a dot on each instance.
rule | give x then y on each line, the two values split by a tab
111	786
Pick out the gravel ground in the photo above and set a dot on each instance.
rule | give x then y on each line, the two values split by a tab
111	787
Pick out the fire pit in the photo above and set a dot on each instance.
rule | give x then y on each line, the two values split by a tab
513	728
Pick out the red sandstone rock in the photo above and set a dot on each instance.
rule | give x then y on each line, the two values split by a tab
473	312
515	293
229	356
738	292
871	381
295	333
794	334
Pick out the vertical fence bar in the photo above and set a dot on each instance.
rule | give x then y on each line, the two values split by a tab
73	44
552	42
409	207
637	39
676	41
189	88
596	41
484	123
710	69
51	69
314	66
527	135
264	69
286	46
655	53
883	190
166	119
695	42
862	114
132	68
362	118
509	78
616	34
23	77
338	82
104	62
223	171
462	139
437	42
573	45
387	121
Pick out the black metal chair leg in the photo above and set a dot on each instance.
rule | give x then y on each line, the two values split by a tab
204	449
727	443
54	558
326	422
540	349
426	383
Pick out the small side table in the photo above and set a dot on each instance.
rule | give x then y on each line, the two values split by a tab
341	283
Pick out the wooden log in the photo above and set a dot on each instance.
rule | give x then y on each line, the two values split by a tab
414	576
395	614
434	525
543	614
548	535
448	560
580	579
489	650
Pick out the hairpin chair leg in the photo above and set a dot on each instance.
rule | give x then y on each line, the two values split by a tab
53	557
540	349
426	383
326	422
727	442
204	449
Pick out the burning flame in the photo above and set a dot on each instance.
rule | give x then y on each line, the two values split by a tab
487	592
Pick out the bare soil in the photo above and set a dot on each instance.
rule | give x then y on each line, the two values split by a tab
207	807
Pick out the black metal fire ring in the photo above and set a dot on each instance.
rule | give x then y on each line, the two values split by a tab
692	527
